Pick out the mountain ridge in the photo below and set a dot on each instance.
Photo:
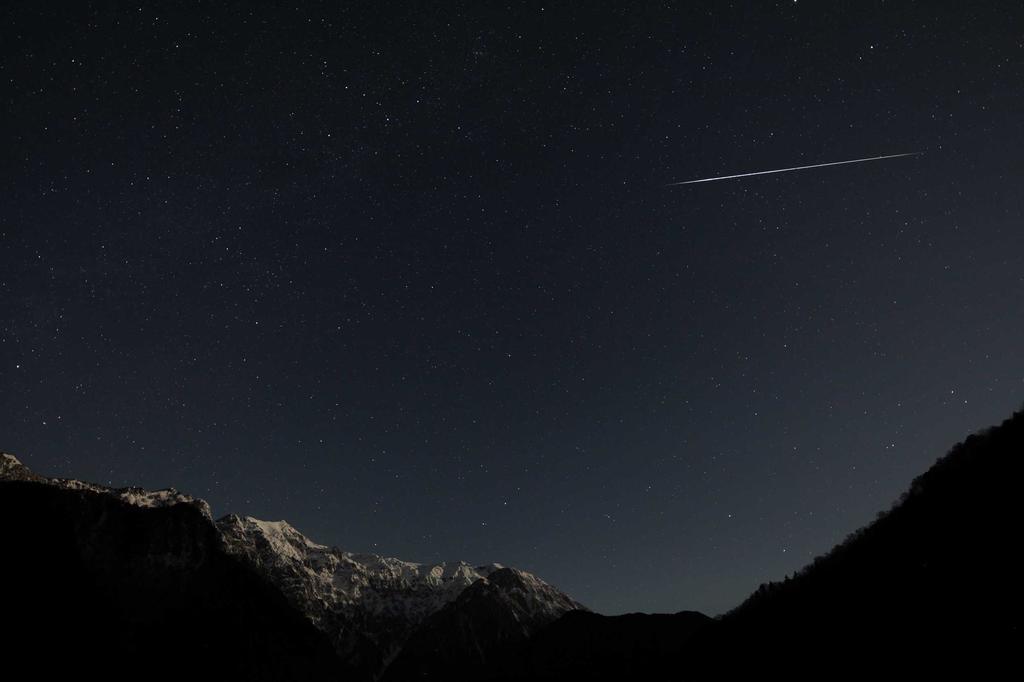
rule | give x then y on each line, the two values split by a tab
11	468
90	581
929	586
367	605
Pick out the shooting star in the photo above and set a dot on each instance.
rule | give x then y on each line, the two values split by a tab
795	168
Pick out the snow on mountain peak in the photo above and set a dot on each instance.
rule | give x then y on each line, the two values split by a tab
367	602
277	540
340	576
164	497
12	469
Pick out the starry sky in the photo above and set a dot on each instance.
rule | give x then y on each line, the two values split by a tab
409	276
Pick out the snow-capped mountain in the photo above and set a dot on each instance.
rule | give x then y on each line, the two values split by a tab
368	606
12	469
140	587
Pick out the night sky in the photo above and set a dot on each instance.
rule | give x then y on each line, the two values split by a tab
410	276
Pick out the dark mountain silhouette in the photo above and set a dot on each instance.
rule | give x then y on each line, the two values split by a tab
584	645
139	584
132	577
92	583
482	634
933	585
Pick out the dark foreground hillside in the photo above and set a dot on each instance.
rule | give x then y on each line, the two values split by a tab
934	582
92	586
933	585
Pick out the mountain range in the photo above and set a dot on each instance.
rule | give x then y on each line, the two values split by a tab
146	584
366	607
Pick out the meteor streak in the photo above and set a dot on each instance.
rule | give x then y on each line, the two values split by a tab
795	168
